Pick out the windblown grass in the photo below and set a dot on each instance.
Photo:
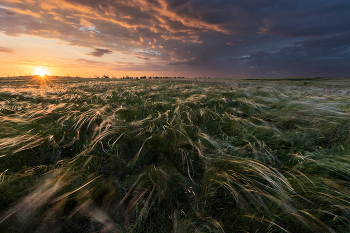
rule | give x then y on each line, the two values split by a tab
90	155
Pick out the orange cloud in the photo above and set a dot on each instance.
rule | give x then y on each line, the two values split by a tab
47	6
86	23
163	10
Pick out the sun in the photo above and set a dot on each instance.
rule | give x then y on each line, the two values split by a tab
41	71
42	76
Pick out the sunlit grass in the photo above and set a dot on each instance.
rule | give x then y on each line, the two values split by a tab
92	155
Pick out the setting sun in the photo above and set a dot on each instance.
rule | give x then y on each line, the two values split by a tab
42	76
40	71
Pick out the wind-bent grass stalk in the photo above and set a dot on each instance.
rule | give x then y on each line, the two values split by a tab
181	156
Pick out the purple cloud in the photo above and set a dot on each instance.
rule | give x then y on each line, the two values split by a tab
6	50
100	52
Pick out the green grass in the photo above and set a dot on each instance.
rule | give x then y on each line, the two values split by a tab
226	155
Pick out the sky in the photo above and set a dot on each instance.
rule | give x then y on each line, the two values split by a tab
190	38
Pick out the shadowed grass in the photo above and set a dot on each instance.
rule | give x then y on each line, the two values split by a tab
174	156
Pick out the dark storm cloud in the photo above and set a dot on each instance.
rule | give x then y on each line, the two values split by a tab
305	19
100	52
6	50
306	57
246	37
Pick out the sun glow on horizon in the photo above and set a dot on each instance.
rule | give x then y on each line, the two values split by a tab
42	77
41	71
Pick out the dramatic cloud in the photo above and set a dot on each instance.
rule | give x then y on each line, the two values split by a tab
222	37
100	52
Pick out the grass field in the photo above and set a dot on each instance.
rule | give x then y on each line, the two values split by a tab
175	155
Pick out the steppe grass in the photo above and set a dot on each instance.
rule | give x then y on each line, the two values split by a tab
225	155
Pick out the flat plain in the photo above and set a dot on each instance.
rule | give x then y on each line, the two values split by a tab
174	155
